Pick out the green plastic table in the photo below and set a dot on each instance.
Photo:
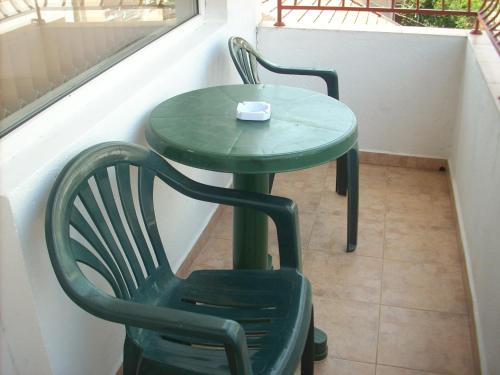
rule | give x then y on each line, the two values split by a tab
200	129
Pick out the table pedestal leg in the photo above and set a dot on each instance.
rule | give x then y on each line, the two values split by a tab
250	226
250	241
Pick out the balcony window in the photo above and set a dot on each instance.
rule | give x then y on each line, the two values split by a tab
51	47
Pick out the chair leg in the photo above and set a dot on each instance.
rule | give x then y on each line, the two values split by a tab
131	357
341	182
271	181
352	199
307	361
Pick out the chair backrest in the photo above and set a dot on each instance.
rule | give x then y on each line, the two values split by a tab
100	213
245	59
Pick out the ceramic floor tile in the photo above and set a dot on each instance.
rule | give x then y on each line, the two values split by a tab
374	171
334	366
419	203
310	178
420	209
428	286
431	217
331	202
425	340
372	196
420	242
372	177
371	205
306	221
224	225
389	370
351	327
343	276
216	254
430	209
408	180
329	233
306	201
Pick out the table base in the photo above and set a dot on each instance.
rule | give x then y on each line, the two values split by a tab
250	241
250	226
320	344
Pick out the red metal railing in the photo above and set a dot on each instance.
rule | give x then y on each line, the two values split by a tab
488	16
369	7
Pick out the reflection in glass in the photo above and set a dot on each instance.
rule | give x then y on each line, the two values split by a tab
50	47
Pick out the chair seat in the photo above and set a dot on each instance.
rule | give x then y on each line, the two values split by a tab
270	306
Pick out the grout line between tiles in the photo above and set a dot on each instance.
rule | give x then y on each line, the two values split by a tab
426	310
387	305
352	254
388	365
446	264
352	360
413	369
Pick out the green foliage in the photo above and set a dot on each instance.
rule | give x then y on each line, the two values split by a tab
455	22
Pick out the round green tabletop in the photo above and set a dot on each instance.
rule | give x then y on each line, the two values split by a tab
200	129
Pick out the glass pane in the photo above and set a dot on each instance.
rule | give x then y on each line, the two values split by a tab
50	47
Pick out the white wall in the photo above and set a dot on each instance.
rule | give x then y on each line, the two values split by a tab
43	332
6	364
475	170
18	319
425	95
402	86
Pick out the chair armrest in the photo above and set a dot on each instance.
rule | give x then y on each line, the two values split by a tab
194	325
282	211
329	76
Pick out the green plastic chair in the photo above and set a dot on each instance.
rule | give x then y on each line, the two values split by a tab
245	59
214	322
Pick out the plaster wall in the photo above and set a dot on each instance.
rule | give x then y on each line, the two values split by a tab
6	365
475	171
402	84
425	94
43	332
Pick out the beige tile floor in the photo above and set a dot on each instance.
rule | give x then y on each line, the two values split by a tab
396	306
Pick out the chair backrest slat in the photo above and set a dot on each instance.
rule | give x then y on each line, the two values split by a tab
101	215
253	66
83	255
97	217
104	186
126	198
85	230
245	60
146	184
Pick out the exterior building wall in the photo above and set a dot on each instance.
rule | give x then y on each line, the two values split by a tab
475	170
43	332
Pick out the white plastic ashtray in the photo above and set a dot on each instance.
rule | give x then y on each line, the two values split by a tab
253	111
